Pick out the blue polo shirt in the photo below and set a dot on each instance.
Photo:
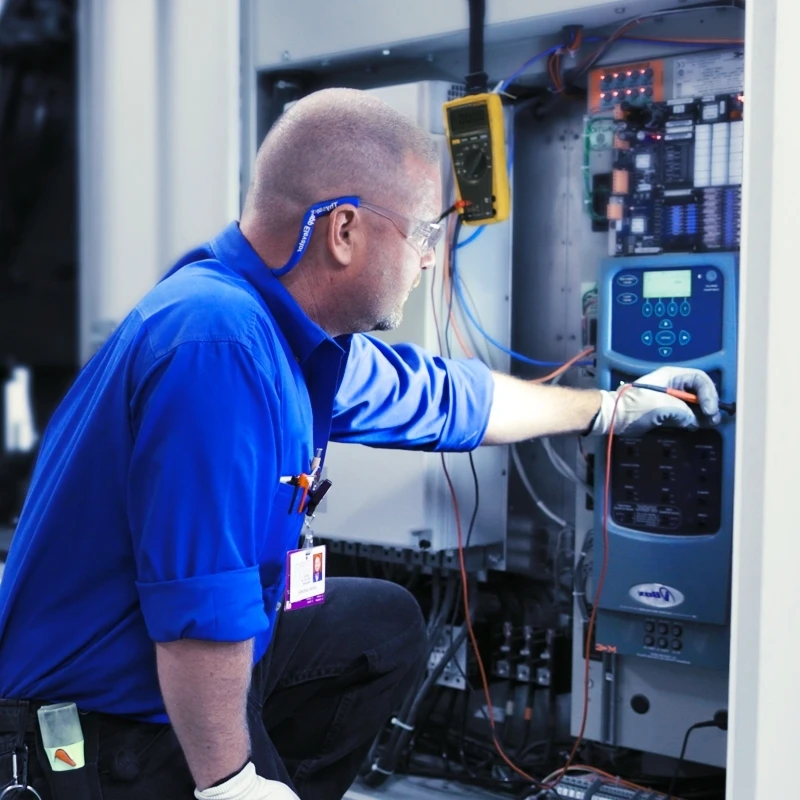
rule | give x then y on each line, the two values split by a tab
156	510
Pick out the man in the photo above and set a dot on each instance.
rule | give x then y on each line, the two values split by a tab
147	571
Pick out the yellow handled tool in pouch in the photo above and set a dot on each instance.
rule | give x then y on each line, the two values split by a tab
475	131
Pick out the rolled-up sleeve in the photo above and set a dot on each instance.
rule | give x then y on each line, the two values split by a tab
401	396
202	472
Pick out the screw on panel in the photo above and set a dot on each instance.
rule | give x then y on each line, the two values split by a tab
286	55
619	10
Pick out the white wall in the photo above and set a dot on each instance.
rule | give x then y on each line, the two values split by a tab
160	135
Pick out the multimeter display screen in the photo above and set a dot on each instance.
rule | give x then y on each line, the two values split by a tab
465	119
668	283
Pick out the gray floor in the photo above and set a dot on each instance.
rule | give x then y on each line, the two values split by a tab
419	789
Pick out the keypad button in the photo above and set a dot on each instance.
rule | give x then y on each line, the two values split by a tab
660	309
684	337
647	310
672	309
665	352
647	338
627	298
665	324
686	308
665	338
649	626
677	630
649	641
662	642
676	644
663	628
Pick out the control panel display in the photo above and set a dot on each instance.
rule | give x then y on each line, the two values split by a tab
667	283
667	315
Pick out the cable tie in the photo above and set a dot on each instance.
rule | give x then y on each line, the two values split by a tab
400	724
376	768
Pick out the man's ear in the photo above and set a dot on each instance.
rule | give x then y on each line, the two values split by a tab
343	229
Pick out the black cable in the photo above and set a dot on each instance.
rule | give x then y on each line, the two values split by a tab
474	516
450	298
720	721
386	764
476	79
440	608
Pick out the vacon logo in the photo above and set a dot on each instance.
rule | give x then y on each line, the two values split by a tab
656	595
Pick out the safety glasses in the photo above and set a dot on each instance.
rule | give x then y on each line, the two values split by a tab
424	236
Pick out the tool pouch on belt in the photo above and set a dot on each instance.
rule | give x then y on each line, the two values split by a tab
67	777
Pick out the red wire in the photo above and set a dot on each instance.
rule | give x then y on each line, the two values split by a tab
597	593
473	640
589	631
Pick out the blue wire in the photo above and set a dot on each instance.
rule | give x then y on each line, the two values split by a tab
471	238
468	311
509	80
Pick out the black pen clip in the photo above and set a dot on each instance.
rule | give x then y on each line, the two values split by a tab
315	498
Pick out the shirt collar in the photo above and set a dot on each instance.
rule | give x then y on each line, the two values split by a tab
235	252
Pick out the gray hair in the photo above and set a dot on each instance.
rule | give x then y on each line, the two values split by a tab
331	143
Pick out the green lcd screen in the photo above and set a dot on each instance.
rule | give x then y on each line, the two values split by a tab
667	283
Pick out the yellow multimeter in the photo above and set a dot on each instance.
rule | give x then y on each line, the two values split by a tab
476	136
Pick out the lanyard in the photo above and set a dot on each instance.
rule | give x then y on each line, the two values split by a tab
307	228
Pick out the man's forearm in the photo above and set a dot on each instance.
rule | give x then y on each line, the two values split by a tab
523	410
205	685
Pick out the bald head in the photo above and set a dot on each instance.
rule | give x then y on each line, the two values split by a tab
331	143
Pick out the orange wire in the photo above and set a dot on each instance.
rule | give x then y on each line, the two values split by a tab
471	632
592	619
446	291
564	367
597	592
590	630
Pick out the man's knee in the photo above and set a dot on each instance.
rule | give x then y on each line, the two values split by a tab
402	644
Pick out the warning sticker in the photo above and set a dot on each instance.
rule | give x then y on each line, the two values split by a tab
715	73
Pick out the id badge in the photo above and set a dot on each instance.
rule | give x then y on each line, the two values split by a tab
305	578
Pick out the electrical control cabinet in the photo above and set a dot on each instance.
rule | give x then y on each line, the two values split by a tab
666	594
646	163
663	169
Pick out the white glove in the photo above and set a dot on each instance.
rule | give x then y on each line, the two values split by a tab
247	785
639	410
